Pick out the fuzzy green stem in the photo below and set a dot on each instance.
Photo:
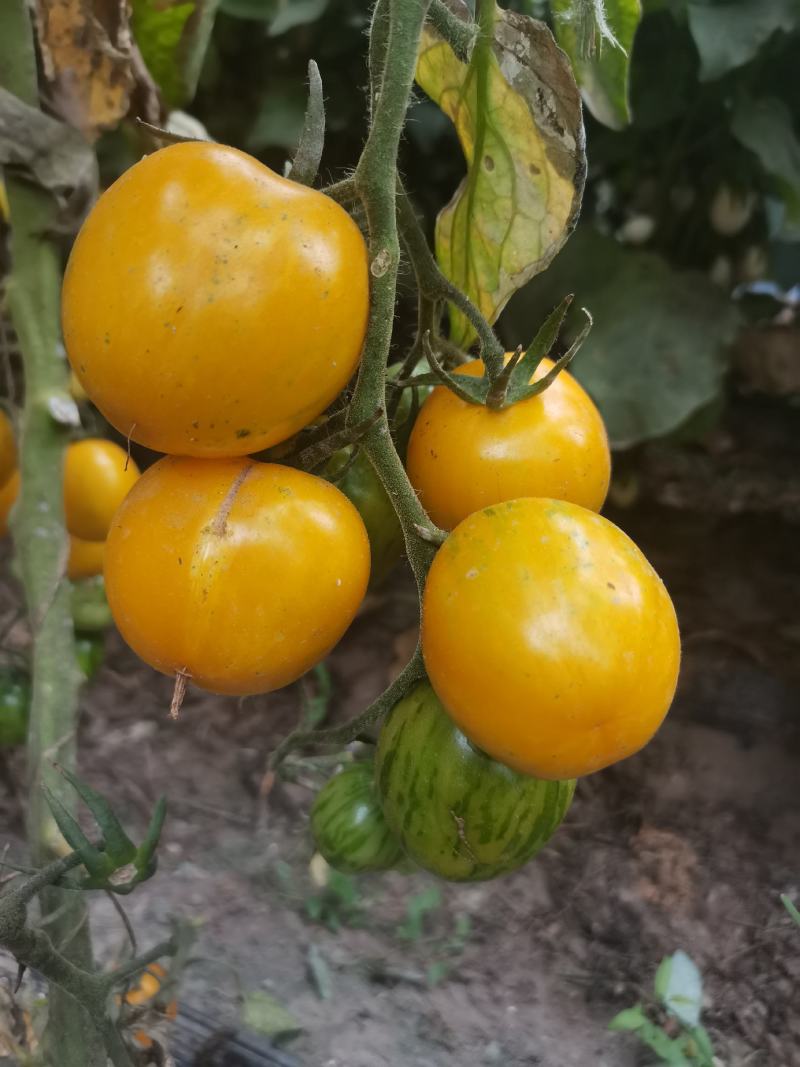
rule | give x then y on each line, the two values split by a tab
413	671
41	542
433	283
460	35
375	180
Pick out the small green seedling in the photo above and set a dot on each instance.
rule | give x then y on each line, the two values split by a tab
337	904
677	1037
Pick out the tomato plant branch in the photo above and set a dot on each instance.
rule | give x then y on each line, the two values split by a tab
33	948
39	536
349	731
394	45
433	283
375	181
459	34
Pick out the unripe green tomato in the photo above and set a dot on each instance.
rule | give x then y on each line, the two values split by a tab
457	812
348	825
362	486
15	702
89	652
90	610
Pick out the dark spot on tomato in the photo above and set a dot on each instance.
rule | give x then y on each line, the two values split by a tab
611	585
243	433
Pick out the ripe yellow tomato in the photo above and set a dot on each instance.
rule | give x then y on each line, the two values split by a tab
143	993
242	574
8	448
85	558
98	475
211	307
9	491
463	457
549	638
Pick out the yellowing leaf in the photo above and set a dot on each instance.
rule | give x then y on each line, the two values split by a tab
517	112
87	59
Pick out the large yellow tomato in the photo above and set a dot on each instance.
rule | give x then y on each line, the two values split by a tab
98	475
210	306
463	457
242	574
9	491
8	448
85	558
549	638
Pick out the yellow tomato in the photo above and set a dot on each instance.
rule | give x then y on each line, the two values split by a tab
549	638
463	457
241	574
210	306
85	558
146	990
8	448
98	475
9	491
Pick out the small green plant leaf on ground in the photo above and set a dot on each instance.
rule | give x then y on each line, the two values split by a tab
766	127
655	355
602	62
319	972
679	987
418	907
728	35
517	112
265	1015
787	903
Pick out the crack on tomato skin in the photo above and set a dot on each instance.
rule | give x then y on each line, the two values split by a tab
462	836
219	525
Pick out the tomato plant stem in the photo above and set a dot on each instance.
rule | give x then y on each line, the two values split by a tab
41	542
393	62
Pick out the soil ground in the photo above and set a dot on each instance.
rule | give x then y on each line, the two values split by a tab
687	845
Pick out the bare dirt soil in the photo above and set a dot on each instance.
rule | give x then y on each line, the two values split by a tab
687	845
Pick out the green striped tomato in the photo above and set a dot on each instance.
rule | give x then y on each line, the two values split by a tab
348	824
457	812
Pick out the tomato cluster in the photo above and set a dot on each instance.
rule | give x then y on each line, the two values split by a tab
212	309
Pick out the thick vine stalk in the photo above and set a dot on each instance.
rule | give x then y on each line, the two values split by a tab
41	543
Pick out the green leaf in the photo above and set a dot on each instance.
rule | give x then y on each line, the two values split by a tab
679	986
279	121
728	35
436	973
517	112
765	127
118	846
261	10
787	903
320	972
655	355
602	71
158	28
417	908
629	1019
316	698
92	859
263	1013
293	13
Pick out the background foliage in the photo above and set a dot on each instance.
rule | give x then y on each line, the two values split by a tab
694	169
